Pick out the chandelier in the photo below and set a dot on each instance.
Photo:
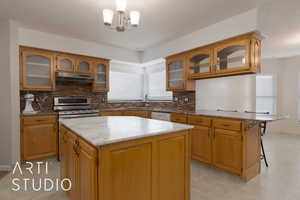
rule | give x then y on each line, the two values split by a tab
123	21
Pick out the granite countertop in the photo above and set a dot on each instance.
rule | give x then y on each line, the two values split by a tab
100	131
237	115
209	113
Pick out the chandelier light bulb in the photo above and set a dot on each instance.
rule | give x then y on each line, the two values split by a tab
135	18
108	16
121	5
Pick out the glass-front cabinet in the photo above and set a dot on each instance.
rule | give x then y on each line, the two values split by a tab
200	62
37	70
101	82
177	75
84	66
65	63
233	56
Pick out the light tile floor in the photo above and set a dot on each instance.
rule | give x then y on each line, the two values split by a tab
281	181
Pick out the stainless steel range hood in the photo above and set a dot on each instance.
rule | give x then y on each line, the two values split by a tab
73	76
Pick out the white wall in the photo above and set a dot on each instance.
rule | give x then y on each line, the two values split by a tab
287	70
33	38
233	26
228	93
9	95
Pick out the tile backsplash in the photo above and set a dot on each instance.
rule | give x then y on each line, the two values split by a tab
44	100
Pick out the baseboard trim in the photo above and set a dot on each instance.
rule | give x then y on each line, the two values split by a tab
6	168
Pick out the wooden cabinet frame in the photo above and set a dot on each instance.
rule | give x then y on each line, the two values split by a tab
87	60
245	67
106	63
68	57
208	51
55	58
24	53
251	40
188	85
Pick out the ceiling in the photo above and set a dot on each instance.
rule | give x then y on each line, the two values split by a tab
161	20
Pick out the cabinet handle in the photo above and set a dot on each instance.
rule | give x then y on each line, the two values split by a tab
199	121
226	125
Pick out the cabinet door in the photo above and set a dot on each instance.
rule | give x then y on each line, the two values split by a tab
227	150
101	81
63	151
84	66
201	144
37	70
127	173
233	56
65	63
200	62
172	155
175	73
72	167
39	141
88	176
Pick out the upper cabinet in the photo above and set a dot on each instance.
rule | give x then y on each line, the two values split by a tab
65	63
177	74
101	82
38	67
200	62
37	70
72	63
234	56
84	65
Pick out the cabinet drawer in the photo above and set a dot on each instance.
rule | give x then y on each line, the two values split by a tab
29	120
111	113
180	118
228	124
199	120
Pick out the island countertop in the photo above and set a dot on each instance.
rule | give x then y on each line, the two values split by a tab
100	131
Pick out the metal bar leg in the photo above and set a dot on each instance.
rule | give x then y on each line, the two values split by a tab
263	151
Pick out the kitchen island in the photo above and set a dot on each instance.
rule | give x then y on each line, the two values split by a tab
125	158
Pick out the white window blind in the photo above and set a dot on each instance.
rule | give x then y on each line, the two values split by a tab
126	82
155	76
266	93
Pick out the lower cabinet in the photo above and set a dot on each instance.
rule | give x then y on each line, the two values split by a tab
201	144
228	144
227	150
79	164
146	169
38	137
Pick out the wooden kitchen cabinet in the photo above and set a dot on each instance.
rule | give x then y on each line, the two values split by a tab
229	144
234	56
74	64
36	69
84	65
201	138
101	70
227	150
177	74
137	113
65	63
79	164
179	118
111	113
141	169
201	144
200	62
38	137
